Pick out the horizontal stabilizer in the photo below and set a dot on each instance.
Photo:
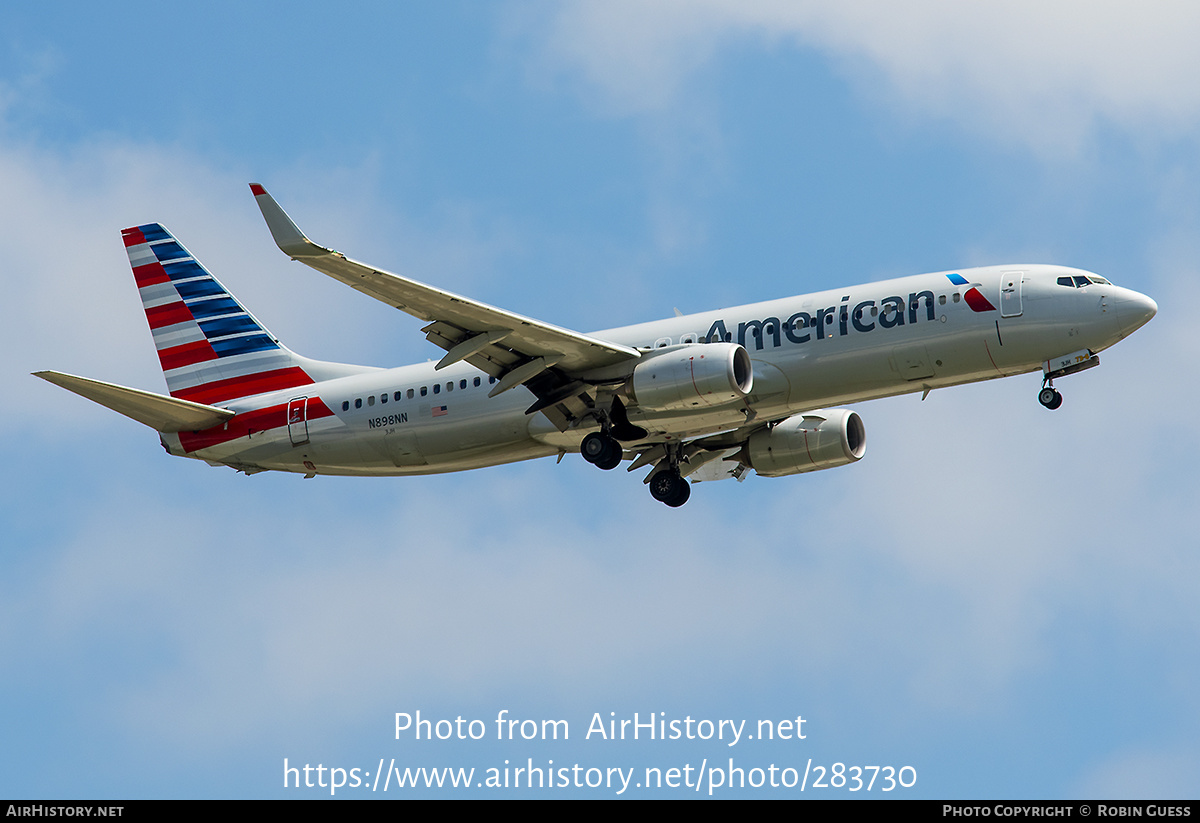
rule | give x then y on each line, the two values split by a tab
158	411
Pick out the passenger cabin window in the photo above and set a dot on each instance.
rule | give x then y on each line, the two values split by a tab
462	384
410	394
358	402
424	390
476	382
345	405
437	388
398	395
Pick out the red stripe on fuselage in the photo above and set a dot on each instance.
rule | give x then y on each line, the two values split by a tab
177	357
244	386
168	315
247	424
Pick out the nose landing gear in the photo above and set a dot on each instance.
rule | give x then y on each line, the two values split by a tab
1072	363
1049	396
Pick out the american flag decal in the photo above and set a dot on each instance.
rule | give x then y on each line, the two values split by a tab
439	411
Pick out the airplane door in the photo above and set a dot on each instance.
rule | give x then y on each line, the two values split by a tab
297	415
1010	294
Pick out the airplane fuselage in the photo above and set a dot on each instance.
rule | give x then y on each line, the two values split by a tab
817	350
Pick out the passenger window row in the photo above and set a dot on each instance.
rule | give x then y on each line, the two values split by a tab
409	394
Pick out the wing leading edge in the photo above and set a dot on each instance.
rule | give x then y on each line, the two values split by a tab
516	350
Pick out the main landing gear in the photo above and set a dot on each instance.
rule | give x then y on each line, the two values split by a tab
668	487
601	450
667	484
1049	396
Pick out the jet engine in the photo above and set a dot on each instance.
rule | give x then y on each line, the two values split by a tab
692	376
807	442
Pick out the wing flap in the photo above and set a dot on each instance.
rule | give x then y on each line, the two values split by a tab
158	411
493	358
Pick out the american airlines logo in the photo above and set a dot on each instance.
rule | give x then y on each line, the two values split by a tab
838	320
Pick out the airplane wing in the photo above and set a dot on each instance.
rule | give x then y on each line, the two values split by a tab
159	412
515	349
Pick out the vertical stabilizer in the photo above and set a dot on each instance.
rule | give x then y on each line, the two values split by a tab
211	349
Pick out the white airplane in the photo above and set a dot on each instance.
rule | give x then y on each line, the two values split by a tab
696	397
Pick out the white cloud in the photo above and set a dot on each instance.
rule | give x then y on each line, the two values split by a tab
1037	73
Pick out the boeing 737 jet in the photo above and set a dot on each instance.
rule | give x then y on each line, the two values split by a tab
695	397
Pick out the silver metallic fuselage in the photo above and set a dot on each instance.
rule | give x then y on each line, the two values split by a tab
813	351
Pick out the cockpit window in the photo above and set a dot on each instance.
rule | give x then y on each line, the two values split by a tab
1079	281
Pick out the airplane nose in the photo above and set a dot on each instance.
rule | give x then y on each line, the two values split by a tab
1134	310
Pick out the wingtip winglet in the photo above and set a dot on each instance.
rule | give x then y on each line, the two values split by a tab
284	231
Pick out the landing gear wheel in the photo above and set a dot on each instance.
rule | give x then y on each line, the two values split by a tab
682	492
613	458
594	446
601	450
1050	397
668	487
661	485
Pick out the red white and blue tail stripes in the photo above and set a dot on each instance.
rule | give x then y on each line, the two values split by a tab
210	347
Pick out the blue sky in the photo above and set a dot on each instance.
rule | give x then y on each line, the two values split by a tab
999	597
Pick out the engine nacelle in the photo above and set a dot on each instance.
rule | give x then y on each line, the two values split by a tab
691	376
808	442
